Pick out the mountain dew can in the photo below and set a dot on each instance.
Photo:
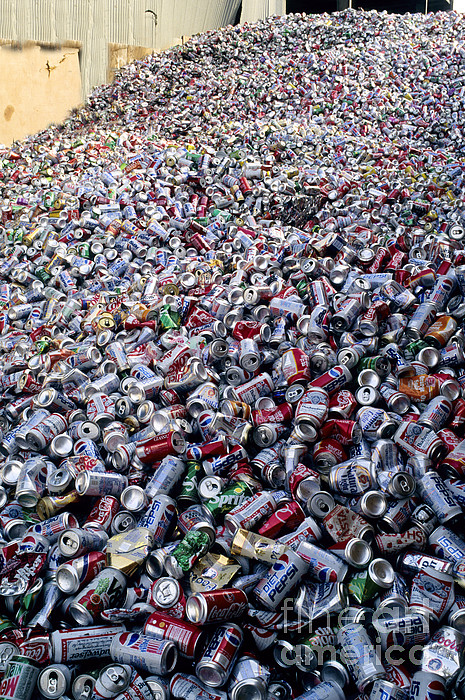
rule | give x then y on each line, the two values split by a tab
19	680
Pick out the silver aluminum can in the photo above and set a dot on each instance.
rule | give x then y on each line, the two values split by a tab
112	680
54	681
91	483
217	660
81	643
359	655
285	573
153	655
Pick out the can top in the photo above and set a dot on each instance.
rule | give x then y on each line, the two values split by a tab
381	573
52	682
166	592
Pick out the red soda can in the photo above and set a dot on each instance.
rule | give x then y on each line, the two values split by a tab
212	448
187	636
348	432
217	661
36	646
216	606
449	438
278	414
160	446
296	365
285	519
342	404
334	379
102	513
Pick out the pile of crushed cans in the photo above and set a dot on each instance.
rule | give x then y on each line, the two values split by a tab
232	373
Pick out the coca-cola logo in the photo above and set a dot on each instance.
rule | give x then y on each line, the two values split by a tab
218	612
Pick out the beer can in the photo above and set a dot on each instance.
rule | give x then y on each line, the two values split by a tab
360	655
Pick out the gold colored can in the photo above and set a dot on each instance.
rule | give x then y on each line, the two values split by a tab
253	546
49	506
128	550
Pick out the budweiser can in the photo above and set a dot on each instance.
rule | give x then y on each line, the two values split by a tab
78	644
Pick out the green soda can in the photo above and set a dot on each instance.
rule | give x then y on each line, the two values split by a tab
19	680
228	499
378	363
169	318
189	550
189	494
366	584
412	349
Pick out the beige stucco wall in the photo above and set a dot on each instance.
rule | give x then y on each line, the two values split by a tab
38	86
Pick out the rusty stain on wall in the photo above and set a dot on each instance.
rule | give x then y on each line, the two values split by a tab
41	85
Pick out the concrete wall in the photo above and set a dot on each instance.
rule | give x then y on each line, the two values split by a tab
38	86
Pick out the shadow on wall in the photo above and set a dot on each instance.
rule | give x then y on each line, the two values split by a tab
43	86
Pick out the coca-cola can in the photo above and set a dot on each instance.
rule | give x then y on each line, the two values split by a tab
216	606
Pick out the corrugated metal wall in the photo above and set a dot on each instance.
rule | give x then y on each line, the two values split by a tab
94	24
253	10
